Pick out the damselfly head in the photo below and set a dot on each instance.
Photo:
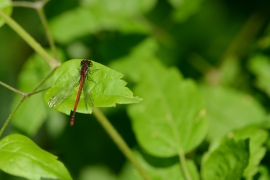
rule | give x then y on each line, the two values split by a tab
86	62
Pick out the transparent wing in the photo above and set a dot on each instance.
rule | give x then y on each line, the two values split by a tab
64	92
87	95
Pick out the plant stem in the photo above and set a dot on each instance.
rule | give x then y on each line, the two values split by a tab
10	116
34	44
25	96
119	141
183	163
12	89
39	6
46	27
42	81
27	4
24	4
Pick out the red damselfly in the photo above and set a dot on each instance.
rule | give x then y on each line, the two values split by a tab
80	80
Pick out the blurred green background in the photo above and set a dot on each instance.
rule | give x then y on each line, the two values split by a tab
210	41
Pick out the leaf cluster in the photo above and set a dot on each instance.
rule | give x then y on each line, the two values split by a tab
198	108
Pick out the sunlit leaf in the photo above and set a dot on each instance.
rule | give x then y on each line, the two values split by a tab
20	156
5	5
257	138
172	172
171	119
228	110
33	71
106	90
227	162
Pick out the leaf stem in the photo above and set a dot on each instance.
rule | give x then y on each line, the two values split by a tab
47	31
12	89
11	114
42	81
39	7
25	96
27	4
119	141
30	40
183	163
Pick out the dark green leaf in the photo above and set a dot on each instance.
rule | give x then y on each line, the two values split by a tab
5	5
264	173
228	109
227	162
94	16
20	156
173	172
185	8
171	119
107	90
257	138
260	66
96	173
130	66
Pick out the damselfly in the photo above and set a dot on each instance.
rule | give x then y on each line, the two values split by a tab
80	80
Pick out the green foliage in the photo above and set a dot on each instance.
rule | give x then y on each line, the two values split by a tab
96	15
257	138
158	173
22	157
228	161
199	66
96	172
171	119
185	8
105	85
260	66
228	109
5	6
32	72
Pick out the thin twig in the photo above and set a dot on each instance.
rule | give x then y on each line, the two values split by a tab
25	96
184	167
25	4
47	31
11	114
119	141
33	43
38	91
12	89
43	81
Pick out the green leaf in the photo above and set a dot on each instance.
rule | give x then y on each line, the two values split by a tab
257	138
264	173
173	172
227	162
228	109
107	90
20	156
96	173
185	8
6	6
260	66
33	71
171	119
94	16
129	64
